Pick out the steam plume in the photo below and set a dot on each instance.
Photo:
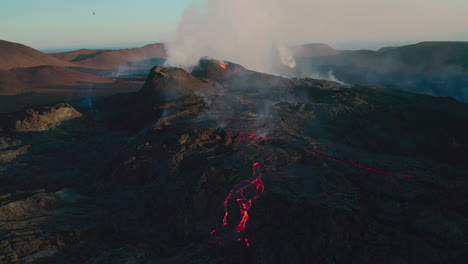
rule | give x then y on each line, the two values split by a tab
255	33
242	31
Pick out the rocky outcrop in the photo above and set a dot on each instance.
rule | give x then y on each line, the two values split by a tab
41	118
10	149
36	224
166	84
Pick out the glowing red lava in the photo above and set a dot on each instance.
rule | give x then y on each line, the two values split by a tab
248	137
225	66
243	194
359	166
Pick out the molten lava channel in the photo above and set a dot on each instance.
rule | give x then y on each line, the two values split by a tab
243	194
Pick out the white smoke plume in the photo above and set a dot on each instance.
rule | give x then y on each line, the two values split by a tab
249	31
329	76
286	56
242	31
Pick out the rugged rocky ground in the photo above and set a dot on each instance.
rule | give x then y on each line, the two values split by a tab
352	174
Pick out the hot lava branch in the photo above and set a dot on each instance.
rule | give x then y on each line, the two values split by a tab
249	137
242	194
359	166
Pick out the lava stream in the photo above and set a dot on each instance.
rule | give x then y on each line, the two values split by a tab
243	194
359	166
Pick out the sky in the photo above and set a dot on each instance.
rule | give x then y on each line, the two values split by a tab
50	24
57	24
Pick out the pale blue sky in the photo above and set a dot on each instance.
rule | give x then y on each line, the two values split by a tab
69	24
48	24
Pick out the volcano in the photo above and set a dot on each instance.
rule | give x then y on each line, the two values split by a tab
228	165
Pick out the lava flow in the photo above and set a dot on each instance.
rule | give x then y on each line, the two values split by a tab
359	166
243	194
248	137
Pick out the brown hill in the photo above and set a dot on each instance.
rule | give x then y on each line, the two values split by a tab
14	55
72	55
20	80
314	50
21	87
115	59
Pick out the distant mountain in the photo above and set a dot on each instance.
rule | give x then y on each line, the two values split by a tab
28	76
14	55
72	55
20	80
20	87
387	48
435	68
433	56
428	57
313	50
144	57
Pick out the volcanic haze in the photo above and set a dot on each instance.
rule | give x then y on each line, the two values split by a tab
253	32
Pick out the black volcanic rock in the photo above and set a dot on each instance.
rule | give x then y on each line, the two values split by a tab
325	199
216	70
165	92
28	234
235	79
166	84
308	83
10	154
352	174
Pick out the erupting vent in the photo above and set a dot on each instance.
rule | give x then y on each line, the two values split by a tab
225	66
243	194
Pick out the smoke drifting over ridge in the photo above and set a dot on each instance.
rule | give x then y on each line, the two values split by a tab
255	33
243	31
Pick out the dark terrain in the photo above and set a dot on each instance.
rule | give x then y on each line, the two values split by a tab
435	68
352	174
28	76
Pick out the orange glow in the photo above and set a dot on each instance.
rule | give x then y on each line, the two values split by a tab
243	194
225	66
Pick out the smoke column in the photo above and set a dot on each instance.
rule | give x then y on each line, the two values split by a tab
241	31
255	33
